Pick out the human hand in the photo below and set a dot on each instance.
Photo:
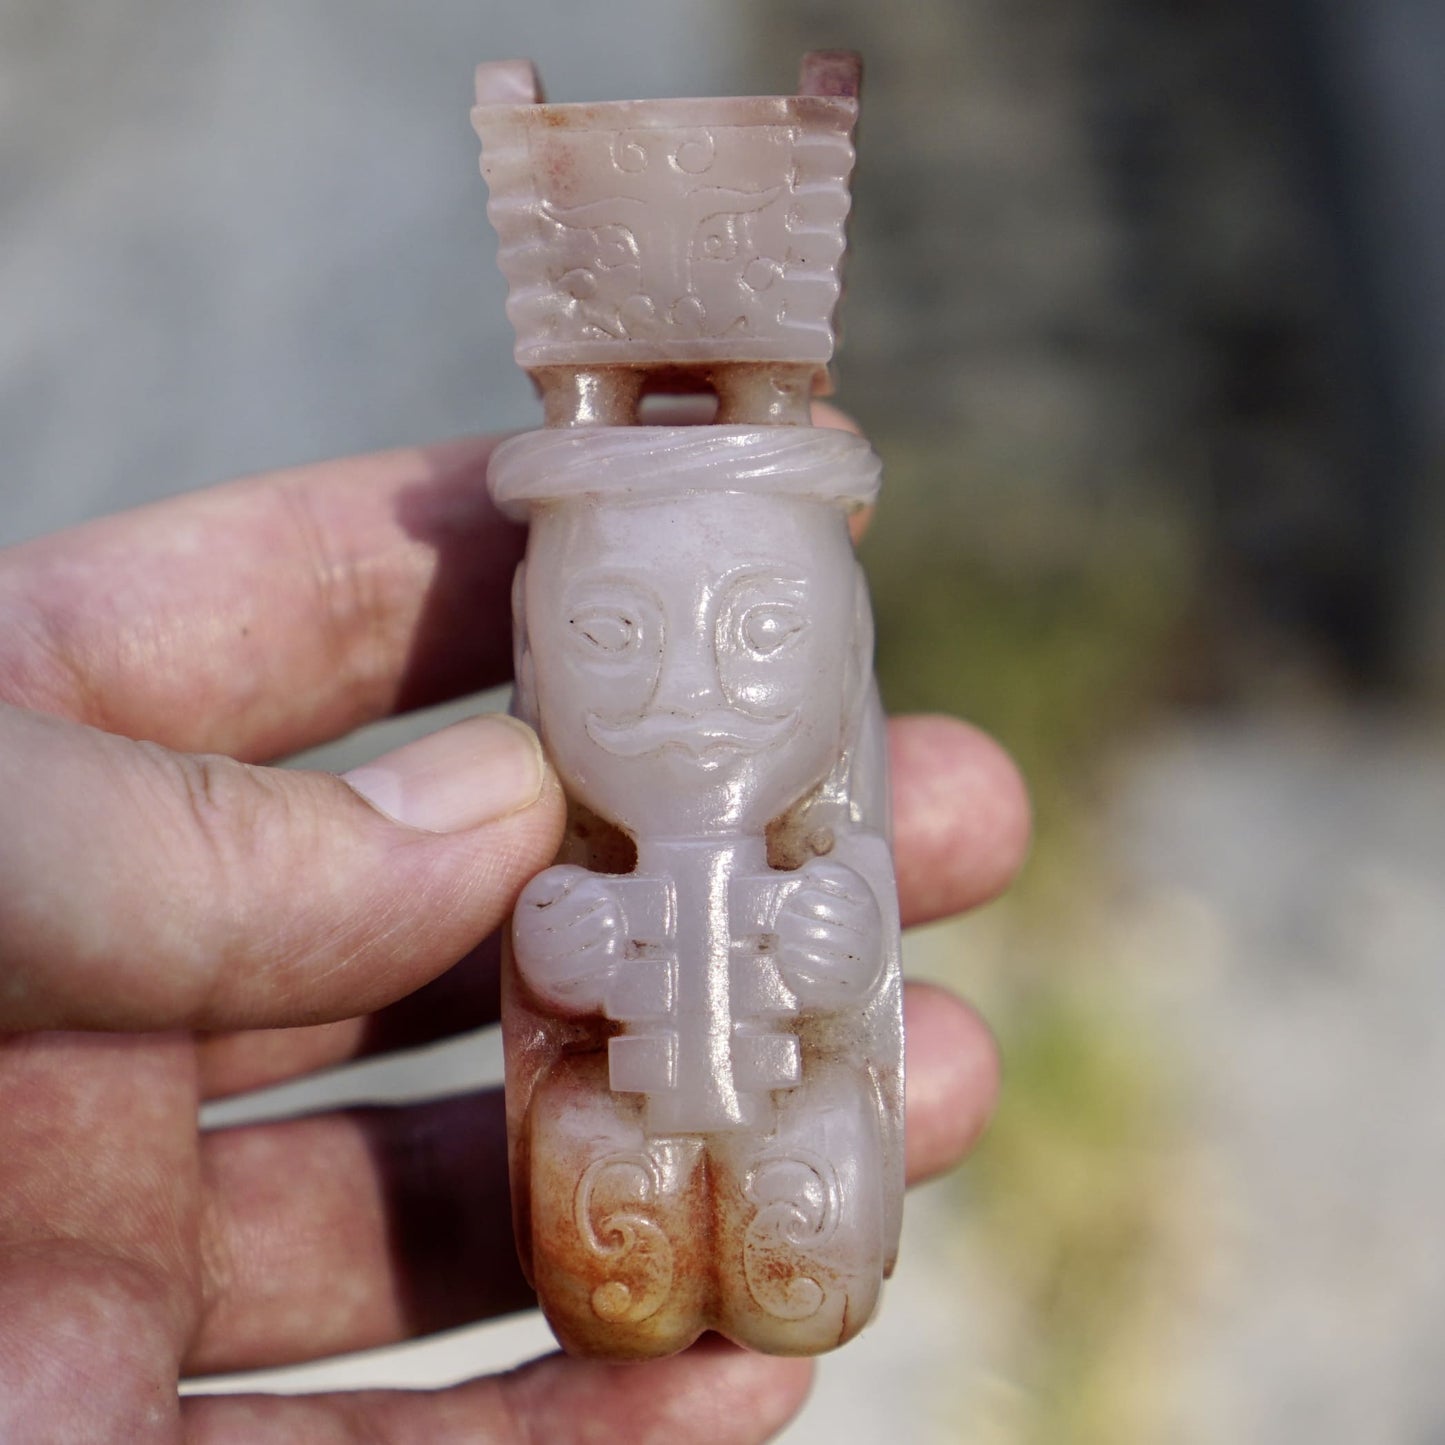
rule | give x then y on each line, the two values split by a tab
178	924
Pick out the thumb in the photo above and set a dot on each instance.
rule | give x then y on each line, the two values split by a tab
147	889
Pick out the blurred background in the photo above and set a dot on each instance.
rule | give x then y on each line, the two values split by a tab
1147	318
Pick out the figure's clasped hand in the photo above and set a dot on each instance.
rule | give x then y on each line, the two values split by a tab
568	935
830	936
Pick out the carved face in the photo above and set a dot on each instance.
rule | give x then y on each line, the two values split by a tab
693	659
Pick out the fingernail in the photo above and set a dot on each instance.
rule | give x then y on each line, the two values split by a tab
471	773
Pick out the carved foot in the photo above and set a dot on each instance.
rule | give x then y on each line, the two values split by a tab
801	1221
619	1222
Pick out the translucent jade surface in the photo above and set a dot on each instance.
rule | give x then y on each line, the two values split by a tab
702	1003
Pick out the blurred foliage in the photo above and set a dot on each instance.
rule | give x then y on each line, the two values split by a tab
1049	616
1074	1201
1042	613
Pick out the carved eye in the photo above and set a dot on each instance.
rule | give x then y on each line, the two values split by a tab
768	626
606	629
718	237
615	246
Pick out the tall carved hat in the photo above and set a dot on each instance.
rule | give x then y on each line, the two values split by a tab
684	232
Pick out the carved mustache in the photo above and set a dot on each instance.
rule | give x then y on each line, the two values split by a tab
698	734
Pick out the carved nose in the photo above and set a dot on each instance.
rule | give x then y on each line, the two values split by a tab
688	684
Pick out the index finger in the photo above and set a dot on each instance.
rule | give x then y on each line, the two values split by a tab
264	616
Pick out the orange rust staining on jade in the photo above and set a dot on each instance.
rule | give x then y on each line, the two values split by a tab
701	997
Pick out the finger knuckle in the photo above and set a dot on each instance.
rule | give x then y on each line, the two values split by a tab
351	598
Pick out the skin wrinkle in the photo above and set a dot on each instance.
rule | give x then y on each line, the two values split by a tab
413	526
445	547
37	668
136	1203
292	1296
217	1265
354	608
213	795
75	622
103	1334
465	997
330	942
321	1279
205	812
330	946
496	874
117	889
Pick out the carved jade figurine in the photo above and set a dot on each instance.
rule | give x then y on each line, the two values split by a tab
702	1001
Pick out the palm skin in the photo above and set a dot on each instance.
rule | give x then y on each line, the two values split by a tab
178	923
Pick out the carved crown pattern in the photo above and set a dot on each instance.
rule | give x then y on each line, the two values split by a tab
669	231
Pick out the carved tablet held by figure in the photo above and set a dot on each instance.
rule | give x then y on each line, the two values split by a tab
701	1007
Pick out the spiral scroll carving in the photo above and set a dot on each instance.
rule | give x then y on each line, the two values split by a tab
799	1200
623	1237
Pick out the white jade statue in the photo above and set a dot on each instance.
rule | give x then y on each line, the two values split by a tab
702	1002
